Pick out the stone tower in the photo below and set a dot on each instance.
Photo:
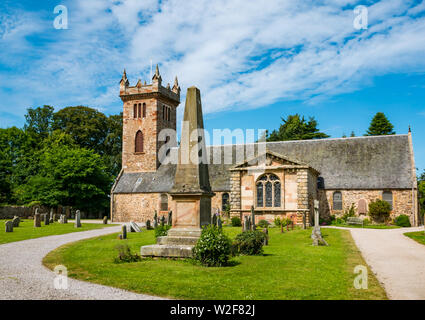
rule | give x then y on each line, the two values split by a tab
147	109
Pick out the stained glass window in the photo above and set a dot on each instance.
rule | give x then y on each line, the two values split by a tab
277	194
269	194
269	191
259	194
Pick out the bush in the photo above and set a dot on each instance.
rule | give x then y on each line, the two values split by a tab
213	247
125	255
366	222
379	210
402	221
263	224
249	243
277	222
162	231
236	222
349	213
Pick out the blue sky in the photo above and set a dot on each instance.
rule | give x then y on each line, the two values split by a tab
254	62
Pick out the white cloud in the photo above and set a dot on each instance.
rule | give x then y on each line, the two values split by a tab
241	54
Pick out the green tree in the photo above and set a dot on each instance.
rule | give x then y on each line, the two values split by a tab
295	127
352	135
68	176
113	144
39	122
380	125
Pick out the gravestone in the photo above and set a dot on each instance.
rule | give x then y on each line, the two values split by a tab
55	217
105	220
170	218
316	235
266	239
37	219
9	226
124	232
245	223
163	220
46	219
77	223
219	223
253	218
16	220
51	216
134	227
148	225
214	220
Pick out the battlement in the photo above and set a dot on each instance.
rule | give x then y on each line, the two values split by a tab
155	89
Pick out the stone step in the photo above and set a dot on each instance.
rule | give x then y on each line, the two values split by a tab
178	240
184	232
168	250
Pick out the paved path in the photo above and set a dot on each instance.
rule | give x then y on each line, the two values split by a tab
22	275
397	261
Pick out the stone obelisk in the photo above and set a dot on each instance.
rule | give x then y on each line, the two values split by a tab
191	192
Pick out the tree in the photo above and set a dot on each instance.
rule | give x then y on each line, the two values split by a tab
68	176
39	122
113	144
379	210
295	127
352	135
380	125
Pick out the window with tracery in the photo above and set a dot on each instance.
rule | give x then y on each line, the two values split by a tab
268	191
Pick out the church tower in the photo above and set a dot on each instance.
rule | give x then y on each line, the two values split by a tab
148	109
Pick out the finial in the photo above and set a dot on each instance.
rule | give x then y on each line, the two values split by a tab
176	87
409	128
176	82
156	76
168	86
145	82
157	70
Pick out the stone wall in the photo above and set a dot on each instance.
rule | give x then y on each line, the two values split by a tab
8	212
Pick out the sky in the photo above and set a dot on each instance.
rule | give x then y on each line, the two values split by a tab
254	61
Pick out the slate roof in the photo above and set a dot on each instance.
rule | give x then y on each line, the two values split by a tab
380	162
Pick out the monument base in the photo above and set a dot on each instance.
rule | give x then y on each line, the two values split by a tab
177	244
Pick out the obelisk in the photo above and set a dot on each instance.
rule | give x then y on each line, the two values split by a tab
191	192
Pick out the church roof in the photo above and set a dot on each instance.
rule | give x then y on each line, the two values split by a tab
376	162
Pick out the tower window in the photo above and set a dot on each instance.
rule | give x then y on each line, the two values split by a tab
140	110
144	110
135	111
139	142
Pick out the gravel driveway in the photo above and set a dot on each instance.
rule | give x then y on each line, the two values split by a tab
397	261
22	275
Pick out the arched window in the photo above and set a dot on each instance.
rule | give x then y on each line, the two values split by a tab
388	197
224	201
268	191
135	111
139	111
144	110
337	200
164	202
139	142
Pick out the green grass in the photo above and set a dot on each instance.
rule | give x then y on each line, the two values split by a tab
368	226
291	268
418	236
26	230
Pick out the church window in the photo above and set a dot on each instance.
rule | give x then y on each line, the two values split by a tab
164	202
387	196
337	200
139	141
224	201
135	111
139	111
144	110
269	191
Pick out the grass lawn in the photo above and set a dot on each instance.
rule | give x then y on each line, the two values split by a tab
418	236
291	268
368	226
26	230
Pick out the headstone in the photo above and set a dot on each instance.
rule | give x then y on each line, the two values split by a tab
219	223
77	219
51	216
105	220
124	232
163	220
9	226
253	218
16	220
55	217
214	220
46	219
266	239
148	225
37	219
134	227
170	218
245	223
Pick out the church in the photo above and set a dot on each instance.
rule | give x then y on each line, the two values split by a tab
281	179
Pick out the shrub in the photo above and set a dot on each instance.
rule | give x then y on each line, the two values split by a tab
366	222
249	243
125	255
402	221
277	221
213	247
263	224
286	221
236	222
379	210
349	213
162	231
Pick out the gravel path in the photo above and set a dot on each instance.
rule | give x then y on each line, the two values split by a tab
397	261
22	275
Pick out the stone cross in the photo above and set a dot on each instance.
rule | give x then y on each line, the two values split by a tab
316	235
9	226
37	219
77	219
219	223
253	218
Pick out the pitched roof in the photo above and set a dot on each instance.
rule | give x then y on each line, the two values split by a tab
376	162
